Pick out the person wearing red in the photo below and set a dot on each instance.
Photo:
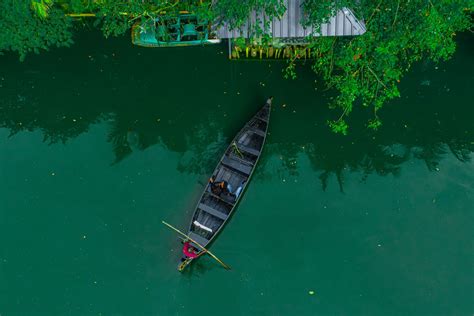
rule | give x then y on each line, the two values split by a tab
189	251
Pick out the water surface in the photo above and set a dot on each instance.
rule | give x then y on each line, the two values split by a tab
102	141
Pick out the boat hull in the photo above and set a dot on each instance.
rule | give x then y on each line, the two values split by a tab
234	172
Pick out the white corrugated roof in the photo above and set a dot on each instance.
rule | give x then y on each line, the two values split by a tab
344	23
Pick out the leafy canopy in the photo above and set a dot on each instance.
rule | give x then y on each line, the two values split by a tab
29	27
366	70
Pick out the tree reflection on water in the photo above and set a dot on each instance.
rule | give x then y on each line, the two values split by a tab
428	134
429	122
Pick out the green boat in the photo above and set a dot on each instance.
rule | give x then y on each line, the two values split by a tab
183	30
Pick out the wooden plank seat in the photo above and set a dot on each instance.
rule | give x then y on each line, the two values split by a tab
242	160
248	150
219	198
212	211
237	165
257	131
203	241
262	118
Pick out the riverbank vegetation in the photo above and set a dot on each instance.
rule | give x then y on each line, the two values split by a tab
365	71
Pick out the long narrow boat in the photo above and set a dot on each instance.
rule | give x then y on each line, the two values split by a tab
235	168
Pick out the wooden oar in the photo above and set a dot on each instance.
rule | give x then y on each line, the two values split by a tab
200	246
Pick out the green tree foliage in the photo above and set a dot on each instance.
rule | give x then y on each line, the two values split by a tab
112	17
31	26
41	7
116	17
236	12
366	70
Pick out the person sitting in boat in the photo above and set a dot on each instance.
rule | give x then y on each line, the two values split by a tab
219	187
239	190
189	251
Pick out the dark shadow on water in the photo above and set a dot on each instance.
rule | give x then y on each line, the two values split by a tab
184	106
199	268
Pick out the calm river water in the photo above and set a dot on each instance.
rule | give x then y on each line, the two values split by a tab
102	141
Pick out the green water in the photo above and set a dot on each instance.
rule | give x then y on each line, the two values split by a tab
102	141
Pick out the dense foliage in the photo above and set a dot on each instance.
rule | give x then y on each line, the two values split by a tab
28	27
364	70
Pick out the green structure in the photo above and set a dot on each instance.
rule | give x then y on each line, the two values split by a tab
258	37
183	30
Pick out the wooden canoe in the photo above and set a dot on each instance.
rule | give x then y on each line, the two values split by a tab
235	168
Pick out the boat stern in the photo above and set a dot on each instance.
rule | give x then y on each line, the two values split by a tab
184	263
